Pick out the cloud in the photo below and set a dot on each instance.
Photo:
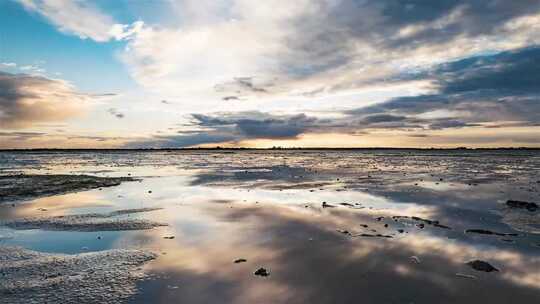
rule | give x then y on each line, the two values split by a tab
22	136
8	64
489	91
241	47
115	113
482	89
26	100
81	18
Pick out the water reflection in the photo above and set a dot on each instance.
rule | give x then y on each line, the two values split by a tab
267	209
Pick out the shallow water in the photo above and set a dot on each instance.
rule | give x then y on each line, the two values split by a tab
266	207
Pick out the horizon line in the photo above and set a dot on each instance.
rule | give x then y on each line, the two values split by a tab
218	148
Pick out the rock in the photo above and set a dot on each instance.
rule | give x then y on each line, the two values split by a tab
326	205
522	205
481	266
240	261
262	272
374	235
169	237
343	231
415	259
489	232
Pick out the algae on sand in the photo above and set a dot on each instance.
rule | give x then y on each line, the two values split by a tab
87	222
24	186
98	277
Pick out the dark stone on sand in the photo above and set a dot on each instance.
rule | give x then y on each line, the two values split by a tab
441	226
343	231
400	230
522	205
240	261
169	237
326	205
262	272
489	232
347	204
375	235
481	266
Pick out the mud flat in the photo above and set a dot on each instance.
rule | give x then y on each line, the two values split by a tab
23	187
98	277
113	221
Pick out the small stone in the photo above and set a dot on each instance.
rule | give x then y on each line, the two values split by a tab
415	259
262	272
240	261
326	205
481	266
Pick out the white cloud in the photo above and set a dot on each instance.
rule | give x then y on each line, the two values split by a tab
8	64
296	47
80	18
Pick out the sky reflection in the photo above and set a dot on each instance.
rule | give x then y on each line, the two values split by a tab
272	215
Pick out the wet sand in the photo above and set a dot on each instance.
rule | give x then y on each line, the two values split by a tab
292	226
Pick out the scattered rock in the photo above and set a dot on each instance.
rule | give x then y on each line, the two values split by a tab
169	237
434	223
343	231
481	266
374	235
415	259
240	261
522	205
262	272
326	205
489	232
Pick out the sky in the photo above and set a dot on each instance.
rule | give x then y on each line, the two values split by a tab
244	73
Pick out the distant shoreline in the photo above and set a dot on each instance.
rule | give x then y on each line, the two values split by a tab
266	149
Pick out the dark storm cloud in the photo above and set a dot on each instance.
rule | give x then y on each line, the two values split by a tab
378	118
491	88
328	36
234	127
261	125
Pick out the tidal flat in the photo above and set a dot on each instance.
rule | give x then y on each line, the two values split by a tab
270	226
